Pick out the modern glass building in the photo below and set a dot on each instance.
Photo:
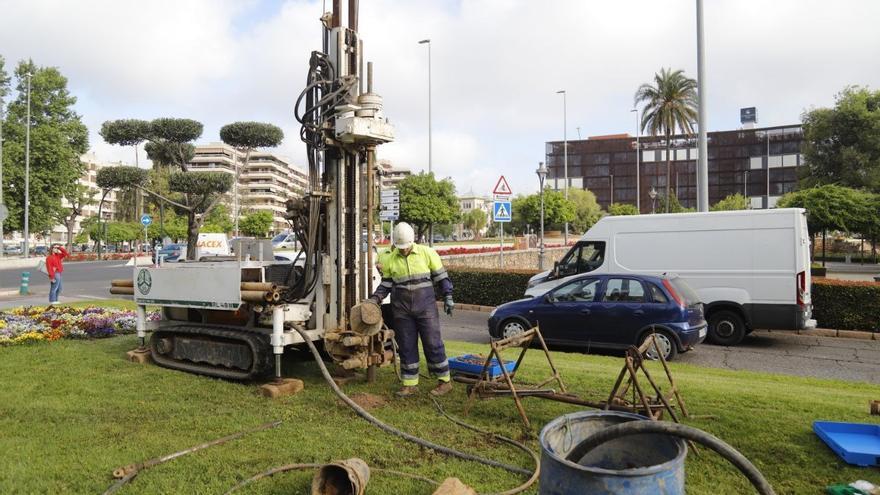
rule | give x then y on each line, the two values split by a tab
760	163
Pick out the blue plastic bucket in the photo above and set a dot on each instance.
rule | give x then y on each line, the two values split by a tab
633	465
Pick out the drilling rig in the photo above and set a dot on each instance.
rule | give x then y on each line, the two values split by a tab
229	319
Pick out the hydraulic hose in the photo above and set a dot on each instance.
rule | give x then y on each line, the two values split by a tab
295	467
678	430
394	431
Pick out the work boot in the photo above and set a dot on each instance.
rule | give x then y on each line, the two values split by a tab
406	391
442	388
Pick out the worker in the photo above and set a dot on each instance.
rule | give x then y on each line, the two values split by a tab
409	272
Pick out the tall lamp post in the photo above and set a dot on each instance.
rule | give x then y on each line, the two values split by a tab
565	147
638	162
542	174
428	42
2	244
27	172
653	195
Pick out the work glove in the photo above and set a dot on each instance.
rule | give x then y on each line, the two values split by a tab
448	305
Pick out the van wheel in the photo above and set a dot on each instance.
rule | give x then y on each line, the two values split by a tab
665	342
726	328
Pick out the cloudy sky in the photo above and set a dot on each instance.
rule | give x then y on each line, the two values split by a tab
496	66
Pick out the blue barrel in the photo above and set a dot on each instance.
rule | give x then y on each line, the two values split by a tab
633	465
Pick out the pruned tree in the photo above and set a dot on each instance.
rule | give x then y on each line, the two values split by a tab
119	178
201	192
246	137
78	196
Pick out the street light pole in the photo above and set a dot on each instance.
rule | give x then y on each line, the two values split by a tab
638	162
703	158
430	150
653	195
27	171
542	174
2	244
565	147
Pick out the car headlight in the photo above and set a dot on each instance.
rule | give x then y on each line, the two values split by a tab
492	313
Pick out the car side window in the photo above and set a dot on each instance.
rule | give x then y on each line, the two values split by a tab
624	290
577	291
657	294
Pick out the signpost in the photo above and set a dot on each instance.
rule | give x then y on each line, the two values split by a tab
501	211
389	207
146	220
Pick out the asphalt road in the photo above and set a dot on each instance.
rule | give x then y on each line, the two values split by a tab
81	280
773	352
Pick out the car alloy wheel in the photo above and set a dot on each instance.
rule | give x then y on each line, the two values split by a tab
511	328
666	345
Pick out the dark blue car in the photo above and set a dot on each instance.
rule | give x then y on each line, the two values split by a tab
613	311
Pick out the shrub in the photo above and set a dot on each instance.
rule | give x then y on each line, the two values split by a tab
489	287
846	305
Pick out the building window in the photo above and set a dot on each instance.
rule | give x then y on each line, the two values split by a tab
756	162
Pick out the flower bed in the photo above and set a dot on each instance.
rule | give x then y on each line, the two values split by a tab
105	256
482	249
50	323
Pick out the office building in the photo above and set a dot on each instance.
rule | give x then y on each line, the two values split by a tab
760	163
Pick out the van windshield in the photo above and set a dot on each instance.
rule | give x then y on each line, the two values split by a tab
584	257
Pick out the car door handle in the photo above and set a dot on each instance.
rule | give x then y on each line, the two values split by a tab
585	311
638	312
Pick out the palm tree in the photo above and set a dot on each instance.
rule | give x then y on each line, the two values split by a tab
670	103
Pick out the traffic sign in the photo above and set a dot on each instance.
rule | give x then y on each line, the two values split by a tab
146	220
502	188
394	207
501	211
391	200
389	193
388	215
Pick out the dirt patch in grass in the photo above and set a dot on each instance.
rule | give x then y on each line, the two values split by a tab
368	401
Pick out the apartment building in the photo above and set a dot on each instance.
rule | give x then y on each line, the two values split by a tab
266	184
91	165
390	176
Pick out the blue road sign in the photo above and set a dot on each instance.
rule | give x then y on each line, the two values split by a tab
501	211
146	220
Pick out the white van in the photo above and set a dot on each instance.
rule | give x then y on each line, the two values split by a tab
751	268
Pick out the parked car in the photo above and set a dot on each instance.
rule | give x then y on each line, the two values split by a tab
12	250
439	238
172	253
284	241
41	250
612	311
751	268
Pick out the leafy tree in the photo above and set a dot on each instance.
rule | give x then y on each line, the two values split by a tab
673	205
217	220
78	196
425	201
842	144
670	104
732	202
618	209
247	137
586	209
557	210
4	90
58	138
475	221
257	223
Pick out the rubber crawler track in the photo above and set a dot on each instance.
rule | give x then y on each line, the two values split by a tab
261	351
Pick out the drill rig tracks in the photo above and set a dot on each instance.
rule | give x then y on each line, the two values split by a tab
212	350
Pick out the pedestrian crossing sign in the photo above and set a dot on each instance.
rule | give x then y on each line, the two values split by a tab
501	211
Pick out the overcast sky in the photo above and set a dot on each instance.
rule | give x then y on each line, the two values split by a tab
496	66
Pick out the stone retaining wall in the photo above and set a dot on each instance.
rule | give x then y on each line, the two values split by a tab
525	259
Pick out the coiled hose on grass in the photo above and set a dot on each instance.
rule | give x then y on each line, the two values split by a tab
533	475
678	430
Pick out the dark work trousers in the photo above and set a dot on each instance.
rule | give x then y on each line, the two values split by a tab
416	316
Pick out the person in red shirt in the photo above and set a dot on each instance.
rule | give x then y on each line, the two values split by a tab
55	266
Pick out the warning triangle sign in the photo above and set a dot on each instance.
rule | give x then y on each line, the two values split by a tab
502	187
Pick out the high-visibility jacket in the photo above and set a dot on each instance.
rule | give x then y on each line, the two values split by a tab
410	279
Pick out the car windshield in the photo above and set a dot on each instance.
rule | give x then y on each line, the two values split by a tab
685	290
171	247
584	257
280	238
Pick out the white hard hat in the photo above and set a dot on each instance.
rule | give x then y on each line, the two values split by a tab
403	235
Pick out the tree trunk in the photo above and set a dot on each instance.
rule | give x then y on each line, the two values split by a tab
69	226
668	171
192	235
101	220
824	242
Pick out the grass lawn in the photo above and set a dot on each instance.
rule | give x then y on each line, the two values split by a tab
72	411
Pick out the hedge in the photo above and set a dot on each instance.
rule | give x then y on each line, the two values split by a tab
846	305
485	287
